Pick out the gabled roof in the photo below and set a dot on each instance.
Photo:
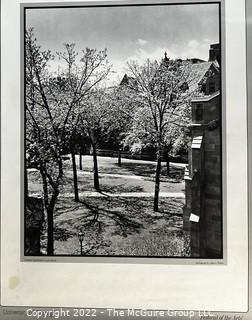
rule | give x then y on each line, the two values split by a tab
126	80
197	73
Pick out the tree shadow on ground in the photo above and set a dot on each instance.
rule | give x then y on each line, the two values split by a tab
140	169
149	169
120	188
104	219
84	183
66	205
175	173
171	208
61	234
125	224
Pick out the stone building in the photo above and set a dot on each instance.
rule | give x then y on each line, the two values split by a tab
203	176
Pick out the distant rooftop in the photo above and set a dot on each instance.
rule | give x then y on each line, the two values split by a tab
197	68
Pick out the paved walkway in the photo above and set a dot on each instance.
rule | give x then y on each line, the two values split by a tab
125	160
125	194
114	175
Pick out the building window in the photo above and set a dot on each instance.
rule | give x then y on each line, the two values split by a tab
199	112
184	87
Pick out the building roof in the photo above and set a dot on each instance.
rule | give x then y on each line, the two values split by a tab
205	98
197	72
127	80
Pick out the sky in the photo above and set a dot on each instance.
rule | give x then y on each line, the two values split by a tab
129	33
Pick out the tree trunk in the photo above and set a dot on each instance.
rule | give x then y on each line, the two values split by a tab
96	173
50	240
26	187
157	181
80	160
119	158
50	227
49	211
51	206
167	163
75	179
45	188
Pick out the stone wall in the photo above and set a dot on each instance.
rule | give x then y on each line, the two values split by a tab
203	182
34	219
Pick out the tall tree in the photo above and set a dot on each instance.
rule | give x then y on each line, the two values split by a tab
122	109
96	120
44	135
52	112
162	95
80	77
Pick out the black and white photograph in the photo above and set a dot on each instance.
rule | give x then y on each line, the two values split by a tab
122	115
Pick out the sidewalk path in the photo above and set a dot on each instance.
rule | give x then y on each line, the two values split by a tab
114	175
125	194
126	160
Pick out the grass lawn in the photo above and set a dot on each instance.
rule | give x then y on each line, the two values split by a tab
118	225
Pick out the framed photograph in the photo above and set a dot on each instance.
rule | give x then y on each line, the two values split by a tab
124	154
123	151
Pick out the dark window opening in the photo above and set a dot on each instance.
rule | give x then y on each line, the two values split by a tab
184	87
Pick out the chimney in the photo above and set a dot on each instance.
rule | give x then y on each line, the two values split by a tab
215	53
